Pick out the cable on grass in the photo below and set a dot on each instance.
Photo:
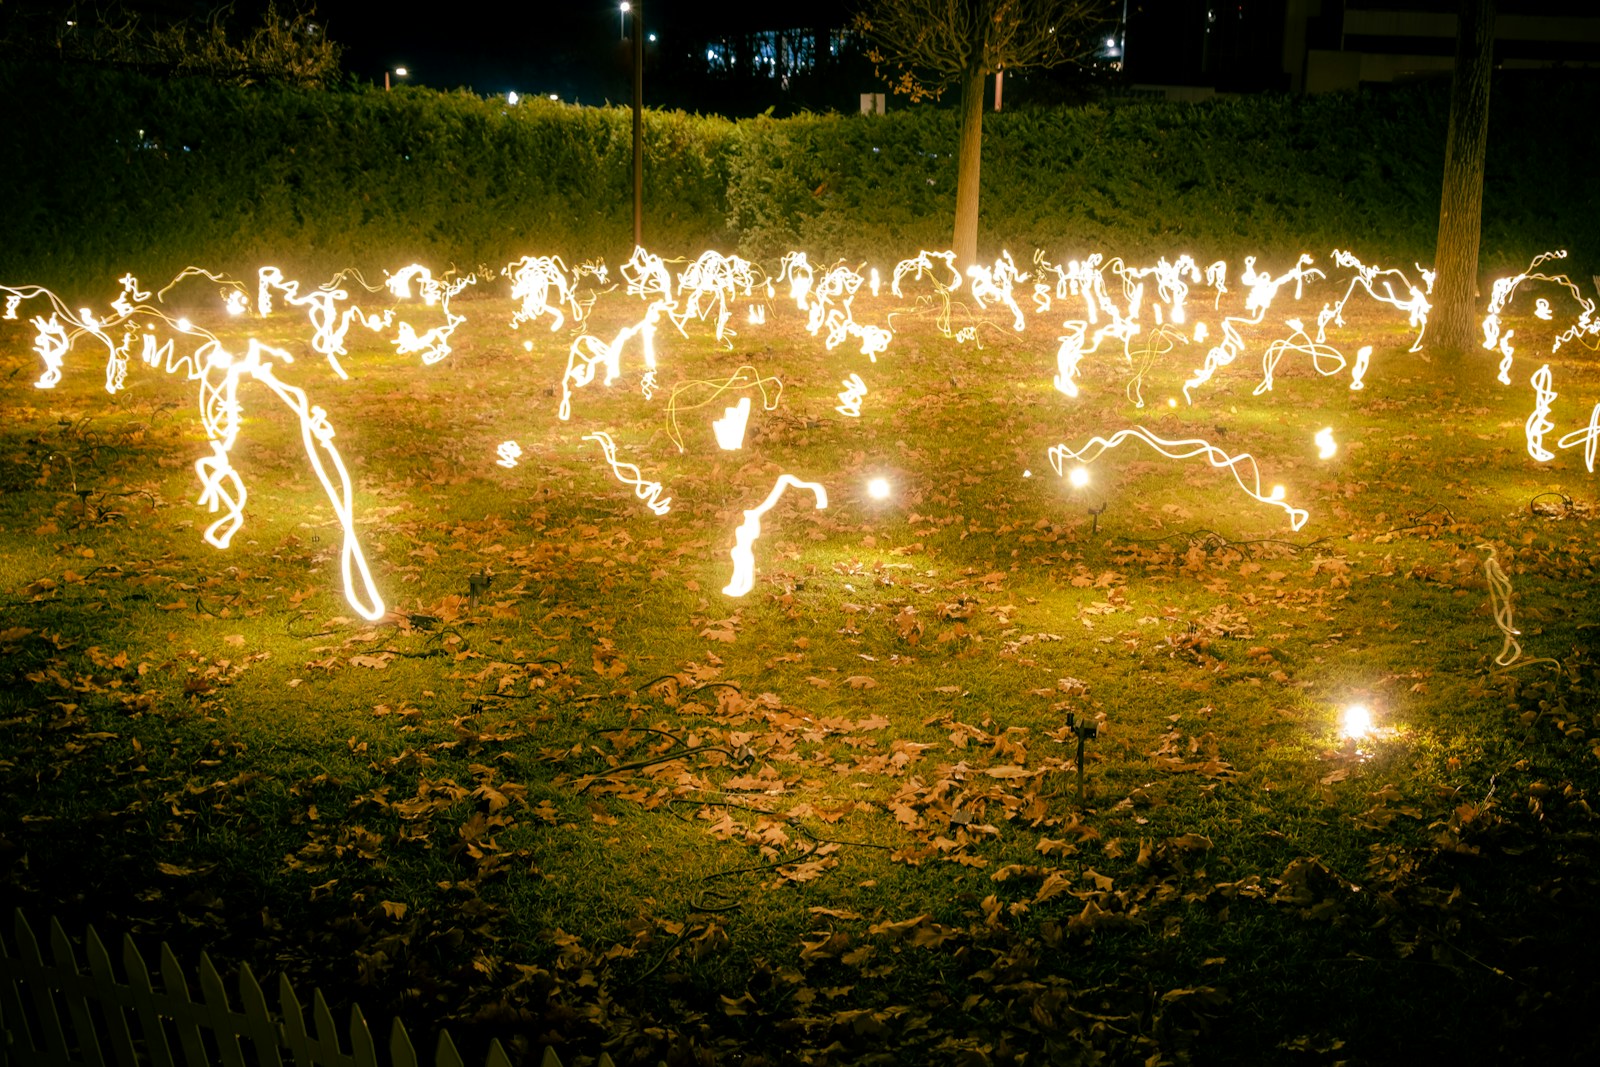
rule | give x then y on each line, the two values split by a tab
1533	509
1500	601
1212	539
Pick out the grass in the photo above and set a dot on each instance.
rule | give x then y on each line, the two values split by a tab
566	791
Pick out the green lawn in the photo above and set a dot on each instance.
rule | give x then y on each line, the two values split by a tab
567	791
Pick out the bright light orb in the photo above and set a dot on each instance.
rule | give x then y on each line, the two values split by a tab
1278	493
1326	445
1078	478
878	489
1357	722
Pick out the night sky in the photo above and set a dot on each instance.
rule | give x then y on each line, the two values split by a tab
571	48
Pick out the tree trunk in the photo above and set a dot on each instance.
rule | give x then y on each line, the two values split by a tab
968	157
1452	325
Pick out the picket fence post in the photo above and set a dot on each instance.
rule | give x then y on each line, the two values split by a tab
130	1023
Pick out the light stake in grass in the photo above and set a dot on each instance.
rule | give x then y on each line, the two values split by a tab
878	489
1083	731
1357	722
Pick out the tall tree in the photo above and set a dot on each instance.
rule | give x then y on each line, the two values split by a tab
933	44
1452	324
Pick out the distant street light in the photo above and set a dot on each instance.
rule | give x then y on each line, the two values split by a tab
399	72
622	20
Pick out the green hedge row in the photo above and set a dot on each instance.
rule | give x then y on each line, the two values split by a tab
105	172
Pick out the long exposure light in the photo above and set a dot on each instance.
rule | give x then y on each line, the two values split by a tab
588	351
628	474
1263	288
850	400
1184	449
730	428
746	377
1327	447
541	286
1357	722
997	283
1500	603
1325	359
744	560
1539	423
1501	294
223	489
509	452
1372	279
1588	437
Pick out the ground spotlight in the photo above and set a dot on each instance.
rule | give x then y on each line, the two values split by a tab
878	489
1357	722
1078	478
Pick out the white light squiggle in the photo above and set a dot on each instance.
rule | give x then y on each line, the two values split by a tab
1588	437
589	351
1539	423
1325	359
1500	602
1327	447
730	428
222	488
744	538
1263	288
1184	449
509	452
850	400
1415	304
745	377
628	474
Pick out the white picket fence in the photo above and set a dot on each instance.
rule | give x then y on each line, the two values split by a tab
57	1014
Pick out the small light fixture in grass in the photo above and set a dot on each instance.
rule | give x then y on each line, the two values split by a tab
1327	447
1078	478
879	489
1356	724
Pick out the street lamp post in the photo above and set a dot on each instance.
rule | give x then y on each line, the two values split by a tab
637	10
399	72
622	20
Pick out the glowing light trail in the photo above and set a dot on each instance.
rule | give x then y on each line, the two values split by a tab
1184	449
744	560
745	377
1539	423
850	399
628	474
1500	602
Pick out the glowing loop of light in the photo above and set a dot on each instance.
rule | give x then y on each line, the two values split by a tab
797	269
433	345
997	283
850	400
541	286
1372	278
1588	437
1500	602
1327	447
716	280
509	452
1539	423
628	474
746	377
1184	449
1358	373
588	352
222	489
645	275
1501	294
744	538
1263	288
1071	352
730	428
1323	356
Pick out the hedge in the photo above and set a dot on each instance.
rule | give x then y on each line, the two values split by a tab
106	172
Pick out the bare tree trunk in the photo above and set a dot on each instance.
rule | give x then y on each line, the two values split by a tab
1452	326
968	158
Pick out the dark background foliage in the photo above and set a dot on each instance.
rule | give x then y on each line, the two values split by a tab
110	171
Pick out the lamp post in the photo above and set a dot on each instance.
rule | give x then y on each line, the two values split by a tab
637	10
622	20
399	72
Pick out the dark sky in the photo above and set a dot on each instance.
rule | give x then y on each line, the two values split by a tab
538	45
